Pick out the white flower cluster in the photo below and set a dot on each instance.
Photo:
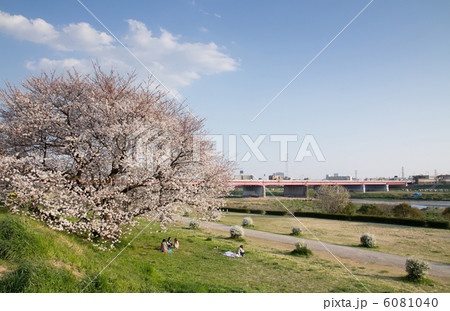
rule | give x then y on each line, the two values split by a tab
88	154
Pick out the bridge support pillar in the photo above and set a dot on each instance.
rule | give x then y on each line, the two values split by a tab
295	191
377	187
254	191
355	188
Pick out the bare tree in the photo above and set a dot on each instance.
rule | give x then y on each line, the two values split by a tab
333	198
87	154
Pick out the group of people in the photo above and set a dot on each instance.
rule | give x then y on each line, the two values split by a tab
167	244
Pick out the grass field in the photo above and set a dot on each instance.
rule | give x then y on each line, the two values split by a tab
37	259
430	244
402	195
271	203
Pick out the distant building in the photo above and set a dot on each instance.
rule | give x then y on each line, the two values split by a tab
337	177
275	177
244	177
443	179
424	180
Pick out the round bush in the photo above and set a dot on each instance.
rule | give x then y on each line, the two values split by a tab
296	231
194	224
301	249
236	232
368	240
247	222
416	268
187	212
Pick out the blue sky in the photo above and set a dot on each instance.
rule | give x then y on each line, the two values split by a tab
377	99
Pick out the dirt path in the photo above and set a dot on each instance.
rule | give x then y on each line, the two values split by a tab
354	253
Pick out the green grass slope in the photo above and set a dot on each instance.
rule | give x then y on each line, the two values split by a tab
34	258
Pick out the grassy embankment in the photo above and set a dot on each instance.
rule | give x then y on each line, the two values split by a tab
402	196
394	195
270	203
36	259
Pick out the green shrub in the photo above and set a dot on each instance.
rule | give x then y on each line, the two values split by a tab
247	222
438	224
257	211
370	209
296	231
277	213
349	209
194	224
236	232
301	249
368	240
238	210
416	269
406	211
187	212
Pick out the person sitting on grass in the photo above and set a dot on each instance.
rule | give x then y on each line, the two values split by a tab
176	244
169	242
240	251
164	247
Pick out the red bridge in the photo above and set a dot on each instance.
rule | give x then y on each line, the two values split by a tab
297	188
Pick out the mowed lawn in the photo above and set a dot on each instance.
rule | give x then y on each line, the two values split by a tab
50	261
430	244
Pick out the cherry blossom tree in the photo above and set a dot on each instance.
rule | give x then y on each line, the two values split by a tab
88	154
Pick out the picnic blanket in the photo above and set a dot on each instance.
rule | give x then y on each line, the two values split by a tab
231	254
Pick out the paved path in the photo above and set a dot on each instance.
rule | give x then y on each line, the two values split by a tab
354	253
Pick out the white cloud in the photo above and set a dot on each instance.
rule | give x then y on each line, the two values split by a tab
83	37
75	37
203	29
63	64
180	62
34	30
172	61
